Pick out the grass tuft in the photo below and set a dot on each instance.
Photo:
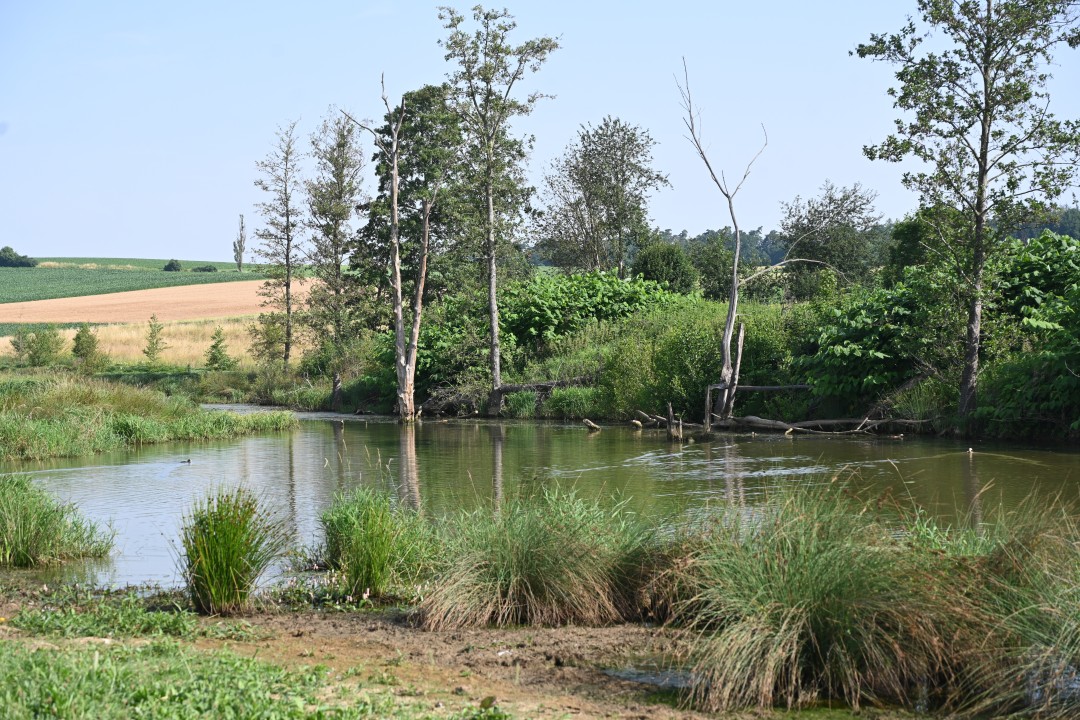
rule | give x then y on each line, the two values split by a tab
37	529
376	544
228	541
549	559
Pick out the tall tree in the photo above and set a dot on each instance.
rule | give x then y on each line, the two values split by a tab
332	195
238	246
487	72
692	121
281	248
597	197
418	148
839	228
977	114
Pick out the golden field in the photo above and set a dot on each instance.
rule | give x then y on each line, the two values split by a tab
189	314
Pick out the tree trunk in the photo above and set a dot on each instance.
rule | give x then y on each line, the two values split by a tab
493	301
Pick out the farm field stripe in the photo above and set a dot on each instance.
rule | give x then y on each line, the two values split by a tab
187	302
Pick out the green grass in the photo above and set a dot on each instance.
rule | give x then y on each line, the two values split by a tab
166	680
37	529
229	540
64	416
139	263
25	284
549	559
378	546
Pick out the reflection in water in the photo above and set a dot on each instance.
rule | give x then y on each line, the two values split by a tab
443	467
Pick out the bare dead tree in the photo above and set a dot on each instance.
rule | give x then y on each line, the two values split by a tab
692	121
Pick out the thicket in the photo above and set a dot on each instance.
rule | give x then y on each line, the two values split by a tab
10	258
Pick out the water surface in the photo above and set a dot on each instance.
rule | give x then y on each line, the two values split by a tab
441	467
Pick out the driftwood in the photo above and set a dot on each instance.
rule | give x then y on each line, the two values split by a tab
593	427
674	431
636	424
862	426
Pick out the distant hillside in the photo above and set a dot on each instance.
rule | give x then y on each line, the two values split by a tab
77	277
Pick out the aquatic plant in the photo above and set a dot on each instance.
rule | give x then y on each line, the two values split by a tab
229	540
550	558
807	598
37	529
375	543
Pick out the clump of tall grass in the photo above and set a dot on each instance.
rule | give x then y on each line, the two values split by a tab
808	597
546	559
37	529
376	544
228	541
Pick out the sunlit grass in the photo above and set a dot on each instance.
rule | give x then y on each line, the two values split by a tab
37	529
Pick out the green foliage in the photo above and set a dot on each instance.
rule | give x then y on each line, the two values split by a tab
712	259
125	615
667	265
155	344
68	416
172	266
36	529
217	355
38	347
10	258
1036	271
671	352
878	339
268	338
44	283
88	358
549	559
571	403
229	540
164	681
520	405
549	305
202	268
378	546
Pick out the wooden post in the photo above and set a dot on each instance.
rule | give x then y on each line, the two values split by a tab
674	432
729	408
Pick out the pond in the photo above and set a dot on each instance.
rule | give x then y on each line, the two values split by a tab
440	467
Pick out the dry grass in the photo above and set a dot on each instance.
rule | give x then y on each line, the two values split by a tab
186	341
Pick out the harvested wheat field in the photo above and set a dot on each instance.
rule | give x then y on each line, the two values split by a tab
189	313
186	302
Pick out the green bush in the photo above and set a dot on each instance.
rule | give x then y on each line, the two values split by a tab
37	348
520	405
217	355
668	265
10	258
229	540
377	545
36	529
204	268
571	403
550	559
172	266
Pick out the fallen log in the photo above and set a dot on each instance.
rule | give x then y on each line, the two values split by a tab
593	427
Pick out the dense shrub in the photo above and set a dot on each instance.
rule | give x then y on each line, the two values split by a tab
548	306
668	265
10	258
203	268
37	348
217	355
172	266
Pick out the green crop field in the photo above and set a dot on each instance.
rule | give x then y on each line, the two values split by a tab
97	263
44	283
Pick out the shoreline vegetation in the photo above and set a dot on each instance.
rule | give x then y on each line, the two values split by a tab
817	598
66	415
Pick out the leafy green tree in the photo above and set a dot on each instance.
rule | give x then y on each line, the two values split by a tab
37	348
419	169
667	265
155	343
172	266
486	76
10	258
597	197
217	355
281	248
332	195
976	112
88	355
238	246
839	229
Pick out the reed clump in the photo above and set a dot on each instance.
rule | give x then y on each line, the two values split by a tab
547	559
228	541
67	416
377	545
37	529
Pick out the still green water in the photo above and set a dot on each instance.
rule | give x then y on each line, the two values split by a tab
440	467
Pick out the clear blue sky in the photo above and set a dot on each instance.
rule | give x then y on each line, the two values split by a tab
131	129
